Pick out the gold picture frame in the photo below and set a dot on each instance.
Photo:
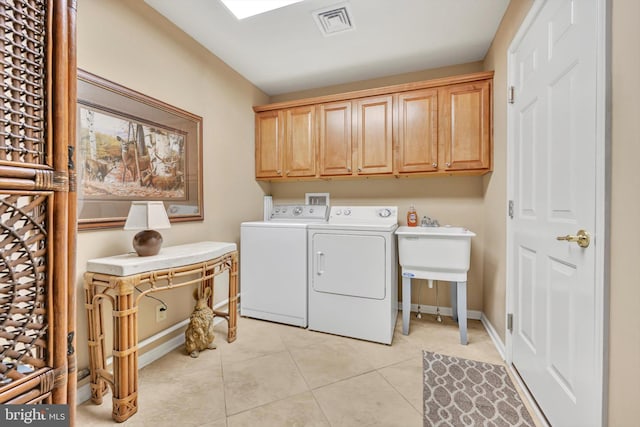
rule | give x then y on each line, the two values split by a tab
134	147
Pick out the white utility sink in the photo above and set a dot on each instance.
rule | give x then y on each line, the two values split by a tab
436	253
441	253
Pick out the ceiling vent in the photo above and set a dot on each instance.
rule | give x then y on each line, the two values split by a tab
334	19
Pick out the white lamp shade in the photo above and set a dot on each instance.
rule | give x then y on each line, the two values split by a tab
147	216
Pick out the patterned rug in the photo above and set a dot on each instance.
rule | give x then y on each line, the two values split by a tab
462	392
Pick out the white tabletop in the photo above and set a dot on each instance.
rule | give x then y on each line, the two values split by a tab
169	257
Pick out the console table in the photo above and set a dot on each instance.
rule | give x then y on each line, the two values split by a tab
123	280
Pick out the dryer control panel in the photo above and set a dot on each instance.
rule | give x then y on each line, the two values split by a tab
365	215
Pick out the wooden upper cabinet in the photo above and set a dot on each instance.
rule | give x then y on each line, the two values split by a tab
374	134
300	142
269	144
434	127
465	125
417	131
335	135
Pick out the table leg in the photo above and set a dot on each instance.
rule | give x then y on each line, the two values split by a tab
233	299
453	288
462	311
406	304
95	339
125	353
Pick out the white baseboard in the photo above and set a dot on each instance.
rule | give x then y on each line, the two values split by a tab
495	337
144	359
445	311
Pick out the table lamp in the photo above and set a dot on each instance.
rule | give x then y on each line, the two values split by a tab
147	216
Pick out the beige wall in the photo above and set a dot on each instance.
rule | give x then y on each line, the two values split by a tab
451	200
624	326
416	76
495	185
624	287
131	44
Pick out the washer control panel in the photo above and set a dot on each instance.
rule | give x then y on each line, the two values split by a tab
299	212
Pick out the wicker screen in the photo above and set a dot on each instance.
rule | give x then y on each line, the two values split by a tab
23	285
23	68
24	216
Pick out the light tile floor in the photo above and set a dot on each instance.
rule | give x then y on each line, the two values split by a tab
278	375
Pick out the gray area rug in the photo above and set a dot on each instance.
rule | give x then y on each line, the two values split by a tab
462	392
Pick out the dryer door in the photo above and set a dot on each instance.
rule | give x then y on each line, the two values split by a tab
349	264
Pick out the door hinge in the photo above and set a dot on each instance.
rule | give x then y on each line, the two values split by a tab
511	209
512	95
510	322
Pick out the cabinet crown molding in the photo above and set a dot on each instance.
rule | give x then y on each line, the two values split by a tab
384	90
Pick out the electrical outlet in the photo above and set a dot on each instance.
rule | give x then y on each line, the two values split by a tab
161	313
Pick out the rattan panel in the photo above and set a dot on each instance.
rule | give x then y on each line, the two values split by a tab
23	284
23	69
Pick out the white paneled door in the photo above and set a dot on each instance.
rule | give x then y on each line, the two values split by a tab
553	145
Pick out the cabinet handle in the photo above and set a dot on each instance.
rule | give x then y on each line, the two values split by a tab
448	164
279	171
435	165
348	169
287	173
359	169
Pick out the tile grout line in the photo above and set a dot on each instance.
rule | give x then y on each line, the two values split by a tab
398	391
310	390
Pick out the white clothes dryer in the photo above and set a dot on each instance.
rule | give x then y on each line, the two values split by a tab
353	285
273	264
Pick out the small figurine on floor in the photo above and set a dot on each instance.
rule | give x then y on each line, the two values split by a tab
199	334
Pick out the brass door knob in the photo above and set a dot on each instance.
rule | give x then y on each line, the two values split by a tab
582	238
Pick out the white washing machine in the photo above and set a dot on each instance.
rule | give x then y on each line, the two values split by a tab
353	289
273	264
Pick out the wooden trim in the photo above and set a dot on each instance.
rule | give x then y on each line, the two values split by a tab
72	217
385	90
16	389
59	134
439	173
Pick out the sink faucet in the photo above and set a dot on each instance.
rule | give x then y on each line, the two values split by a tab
428	222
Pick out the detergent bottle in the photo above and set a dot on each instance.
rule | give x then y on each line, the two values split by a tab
412	216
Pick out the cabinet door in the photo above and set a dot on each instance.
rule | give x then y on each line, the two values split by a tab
418	131
300	152
374	134
465	126
269	144
335	138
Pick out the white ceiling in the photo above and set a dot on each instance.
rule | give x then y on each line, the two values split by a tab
283	50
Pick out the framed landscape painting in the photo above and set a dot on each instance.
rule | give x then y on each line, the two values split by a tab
133	147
